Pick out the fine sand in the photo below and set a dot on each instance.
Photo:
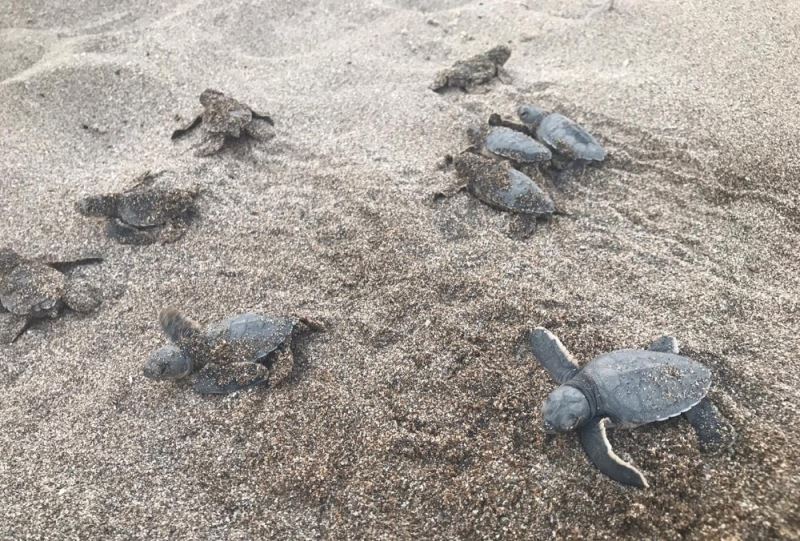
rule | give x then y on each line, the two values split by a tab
416	414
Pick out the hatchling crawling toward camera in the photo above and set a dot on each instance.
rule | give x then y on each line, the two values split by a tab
240	352
627	388
224	118
36	289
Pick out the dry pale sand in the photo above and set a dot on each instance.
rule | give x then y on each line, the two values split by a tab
416	415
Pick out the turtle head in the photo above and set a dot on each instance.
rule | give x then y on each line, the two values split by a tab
167	363
531	115
97	205
210	96
499	55
565	409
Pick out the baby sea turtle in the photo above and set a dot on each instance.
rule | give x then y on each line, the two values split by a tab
32	289
240	352
503	187
501	142
478	70
143	214
571	144
629	388
224	117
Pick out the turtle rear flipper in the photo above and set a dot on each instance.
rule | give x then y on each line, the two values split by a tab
714	433
68	265
595	443
180	132
225	379
12	326
552	355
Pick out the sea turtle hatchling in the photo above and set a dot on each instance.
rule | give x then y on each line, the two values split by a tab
143	214
503	187
501	142
224	117
237	353
571	144
469	74
32	289
629	388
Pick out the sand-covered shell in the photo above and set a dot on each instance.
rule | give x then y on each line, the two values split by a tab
501	186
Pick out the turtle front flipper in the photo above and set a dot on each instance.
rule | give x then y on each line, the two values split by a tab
665	344
552	355
216	378
260	115
69	264
180	329
595	443
714	433
11	327
180	132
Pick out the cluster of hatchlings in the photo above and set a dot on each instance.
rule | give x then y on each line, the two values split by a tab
148	211
506	159
624	388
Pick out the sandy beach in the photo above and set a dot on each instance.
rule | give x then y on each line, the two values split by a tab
416	414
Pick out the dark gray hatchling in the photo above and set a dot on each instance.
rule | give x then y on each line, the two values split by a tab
35	289
571	144
143	214
501	142
626	388
468	75
237	353
225	118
